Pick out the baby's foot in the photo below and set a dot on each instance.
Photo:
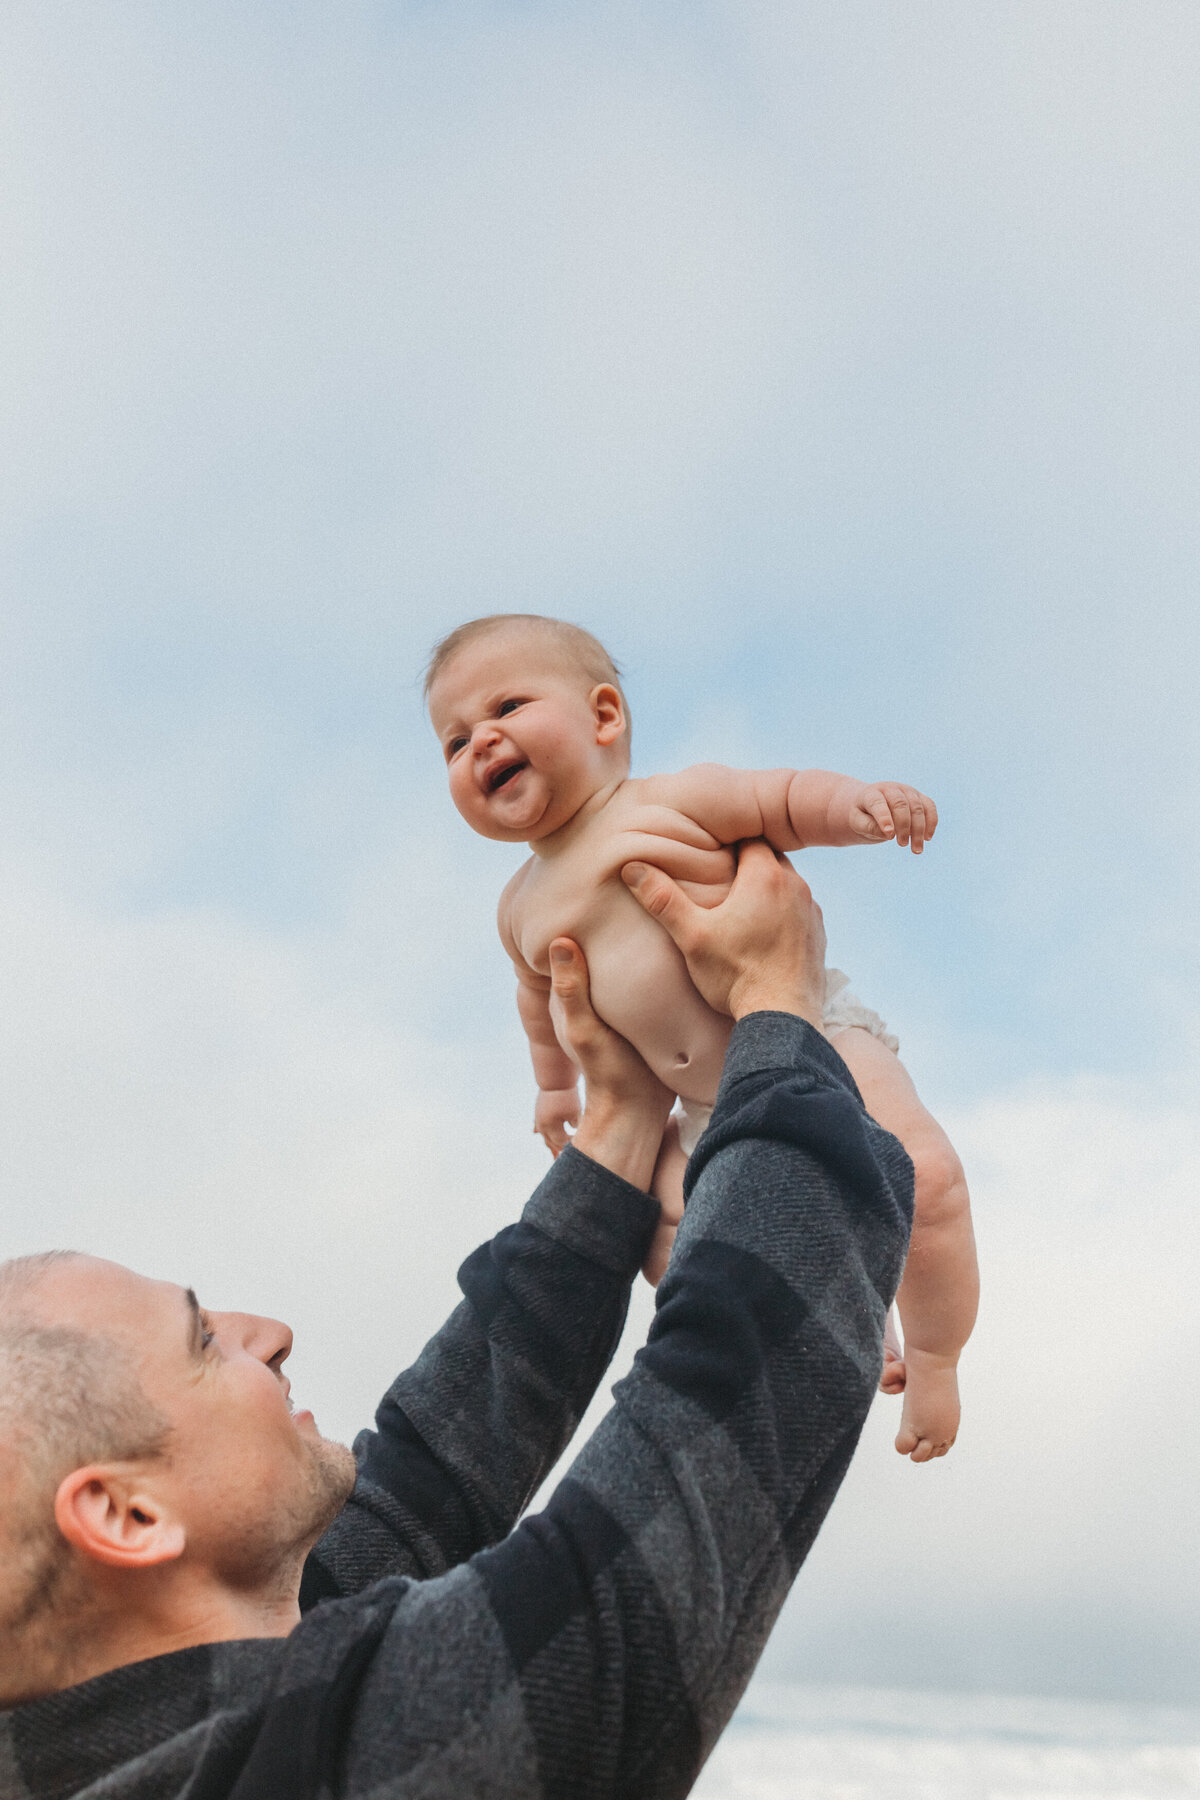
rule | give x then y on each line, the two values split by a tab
929	1421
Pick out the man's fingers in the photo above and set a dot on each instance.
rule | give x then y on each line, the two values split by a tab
757	850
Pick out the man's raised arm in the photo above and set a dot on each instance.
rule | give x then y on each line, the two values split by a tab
600	1649
465	1437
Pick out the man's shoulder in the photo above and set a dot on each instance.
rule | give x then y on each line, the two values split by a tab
141	1724
193	1719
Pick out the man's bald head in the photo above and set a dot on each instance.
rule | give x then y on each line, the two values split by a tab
69	1395
157	1485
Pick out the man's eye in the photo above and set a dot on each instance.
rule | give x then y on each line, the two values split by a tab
207	1338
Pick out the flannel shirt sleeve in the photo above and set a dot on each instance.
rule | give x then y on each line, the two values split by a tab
463	1439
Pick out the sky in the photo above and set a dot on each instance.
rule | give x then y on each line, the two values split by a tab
837	365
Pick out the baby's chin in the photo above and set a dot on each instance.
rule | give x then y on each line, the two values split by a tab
514	825
529	814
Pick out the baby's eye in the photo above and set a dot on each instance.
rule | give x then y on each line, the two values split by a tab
455	745
507	706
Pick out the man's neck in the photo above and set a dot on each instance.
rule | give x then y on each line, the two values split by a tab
76	1643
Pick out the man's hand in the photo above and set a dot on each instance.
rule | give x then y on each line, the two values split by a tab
761	950
888	809
625	1106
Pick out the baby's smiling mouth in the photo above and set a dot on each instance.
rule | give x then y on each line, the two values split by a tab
504	774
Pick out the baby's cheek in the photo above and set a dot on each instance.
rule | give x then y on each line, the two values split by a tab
461	792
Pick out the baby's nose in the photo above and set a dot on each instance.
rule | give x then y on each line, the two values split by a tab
484	736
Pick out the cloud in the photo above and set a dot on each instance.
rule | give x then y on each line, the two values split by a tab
234	1109
1053	1548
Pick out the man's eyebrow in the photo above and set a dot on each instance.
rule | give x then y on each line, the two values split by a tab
195	1324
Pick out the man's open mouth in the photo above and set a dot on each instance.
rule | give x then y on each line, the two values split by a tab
504	774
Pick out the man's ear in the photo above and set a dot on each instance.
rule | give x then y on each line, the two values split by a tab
108	1513
608	710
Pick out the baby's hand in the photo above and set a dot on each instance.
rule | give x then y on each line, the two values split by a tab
556	1109
887	809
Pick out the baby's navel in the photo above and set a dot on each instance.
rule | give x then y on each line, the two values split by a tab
682	1059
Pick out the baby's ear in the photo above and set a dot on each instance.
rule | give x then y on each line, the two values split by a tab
608	710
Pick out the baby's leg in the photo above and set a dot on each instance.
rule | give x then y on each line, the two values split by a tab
667	1188
939	1292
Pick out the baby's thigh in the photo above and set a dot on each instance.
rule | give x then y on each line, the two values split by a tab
891	1098
884	1083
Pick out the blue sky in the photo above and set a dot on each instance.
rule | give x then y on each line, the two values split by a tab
838	367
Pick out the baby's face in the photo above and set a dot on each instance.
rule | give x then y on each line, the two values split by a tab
519	729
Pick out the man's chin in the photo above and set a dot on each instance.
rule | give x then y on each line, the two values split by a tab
335	1472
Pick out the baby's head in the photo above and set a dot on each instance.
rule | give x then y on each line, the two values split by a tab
531	719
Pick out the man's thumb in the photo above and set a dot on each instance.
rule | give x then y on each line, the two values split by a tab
653	890
565	966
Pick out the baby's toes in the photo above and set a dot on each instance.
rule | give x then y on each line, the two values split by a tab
907	1440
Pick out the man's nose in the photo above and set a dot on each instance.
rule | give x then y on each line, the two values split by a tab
268	1339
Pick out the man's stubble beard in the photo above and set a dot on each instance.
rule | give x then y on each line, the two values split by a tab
334	1474
268	1554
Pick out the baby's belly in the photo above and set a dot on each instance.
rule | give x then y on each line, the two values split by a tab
640	986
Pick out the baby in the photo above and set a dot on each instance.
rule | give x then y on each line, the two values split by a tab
535	731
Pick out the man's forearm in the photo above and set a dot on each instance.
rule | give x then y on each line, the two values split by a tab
600	1649
656	1572
466	1435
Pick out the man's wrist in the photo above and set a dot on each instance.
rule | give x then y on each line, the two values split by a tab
774	999
623	1139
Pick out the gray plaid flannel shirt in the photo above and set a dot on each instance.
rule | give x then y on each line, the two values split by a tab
596	1651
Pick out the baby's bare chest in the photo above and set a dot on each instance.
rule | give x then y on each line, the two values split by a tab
577	891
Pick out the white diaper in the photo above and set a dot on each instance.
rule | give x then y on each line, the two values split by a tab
842	1009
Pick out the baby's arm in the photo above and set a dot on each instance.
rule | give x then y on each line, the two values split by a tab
557	1104
792	808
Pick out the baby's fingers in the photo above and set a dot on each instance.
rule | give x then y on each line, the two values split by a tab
881	812
912	813
896	804
918	819
922	818
871	817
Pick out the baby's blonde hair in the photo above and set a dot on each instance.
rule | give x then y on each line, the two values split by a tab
578	646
